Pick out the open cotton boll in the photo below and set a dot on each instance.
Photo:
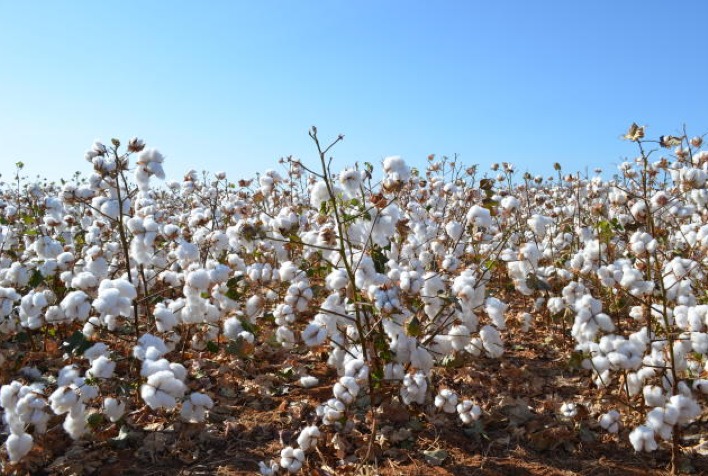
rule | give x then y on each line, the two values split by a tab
337	279
18	445
610	421
314	334
268	469
356	368
97	350
446	400
308	437
102	367
332	411
346	389
491	340
195	408
569	410
75	423
468	411
292	459
642	439
63	399
309	381
414	388
145	342
495	310
162	389
113	408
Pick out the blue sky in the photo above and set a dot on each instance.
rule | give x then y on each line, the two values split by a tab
233	86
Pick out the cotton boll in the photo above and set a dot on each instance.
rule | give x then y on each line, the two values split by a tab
194	409
113	409
67	375
421	359
337	279
18	445
308	437
468	412
145	342
75	423
446	400
610	421
308	381
642	439
459	336
268	469
165	319
63	399
495	309
346	389
95	351
102	367
332	411
314	334
569	410
161	390
292	459
358	369
654	396
414	388
491	340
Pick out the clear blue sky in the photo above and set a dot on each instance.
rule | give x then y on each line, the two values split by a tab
233	85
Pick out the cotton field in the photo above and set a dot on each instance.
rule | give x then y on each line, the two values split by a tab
118	288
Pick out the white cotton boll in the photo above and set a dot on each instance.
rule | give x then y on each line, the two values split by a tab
308	381
393	371
654	396
113	409
268	470
526	321
198	279
414	388
67	375
346	389
642	439
308	437
146	341
232	328
332	411
314	334
358	369
610	421
699	342
657	420
102	367
292	459
479	216
446	400
421	359
569	410
254	307
165	319
468	412
495	310
161	390
18	445
337	279
63	399
195	408
91	327
491	340
179	371
150	366
687	408
95	351
285	337
76	305
75	423
454	230
459	336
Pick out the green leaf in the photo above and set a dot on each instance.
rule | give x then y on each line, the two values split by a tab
212	346
77	343
36	278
